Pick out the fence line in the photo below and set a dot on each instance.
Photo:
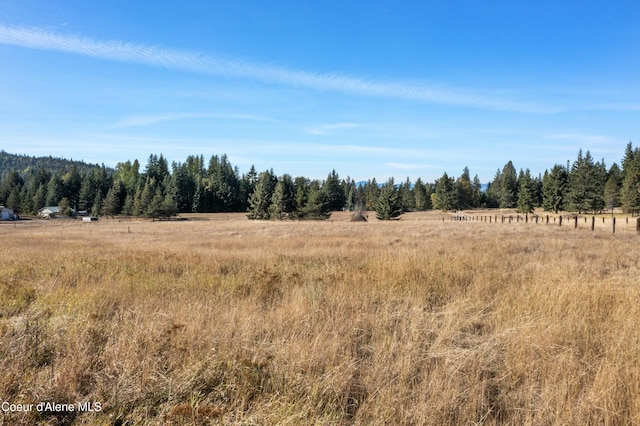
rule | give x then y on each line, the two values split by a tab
509	219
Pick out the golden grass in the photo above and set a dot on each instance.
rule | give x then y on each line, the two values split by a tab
220	320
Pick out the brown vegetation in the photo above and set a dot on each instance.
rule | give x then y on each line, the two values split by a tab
229	321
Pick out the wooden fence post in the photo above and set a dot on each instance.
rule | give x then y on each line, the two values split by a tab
575	222
593	222
547	219
638	225
613	225
560	220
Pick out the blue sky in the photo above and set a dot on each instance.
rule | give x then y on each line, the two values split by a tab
370	89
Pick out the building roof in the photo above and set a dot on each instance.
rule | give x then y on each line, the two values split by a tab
51	209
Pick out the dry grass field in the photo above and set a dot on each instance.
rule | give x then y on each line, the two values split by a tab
221	320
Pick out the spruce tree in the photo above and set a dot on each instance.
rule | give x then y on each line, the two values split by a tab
554	186
371	192
508	194
336	198
419	195
445	196
492	194
586	184
86	195
611	193
39	198
388	204
169	205
96	209
127	208
278	207
628	159
224	184
71	183
317	206
288	192
578	181
54	190
111	206
143	197
525	192
476	189
630	191
185	185
11	181
464	191
351	197
260	199
13	201
26	199
301	193
405	196
155	208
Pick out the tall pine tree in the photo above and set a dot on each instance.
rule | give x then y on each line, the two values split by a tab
388	205
526	192
630	191
554	186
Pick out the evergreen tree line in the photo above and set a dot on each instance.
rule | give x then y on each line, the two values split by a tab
161	190
582	186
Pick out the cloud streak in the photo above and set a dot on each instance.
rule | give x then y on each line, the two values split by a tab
327	128
206	63
409	166
149	119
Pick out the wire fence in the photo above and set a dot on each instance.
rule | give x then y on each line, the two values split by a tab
576	220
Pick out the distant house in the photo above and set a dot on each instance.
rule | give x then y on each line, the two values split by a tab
52	212
49	212
7	214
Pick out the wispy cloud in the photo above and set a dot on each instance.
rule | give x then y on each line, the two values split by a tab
590	139
408	166
190	61
149	119
328	128
603	144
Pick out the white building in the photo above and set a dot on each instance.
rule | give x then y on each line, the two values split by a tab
49	212
53	212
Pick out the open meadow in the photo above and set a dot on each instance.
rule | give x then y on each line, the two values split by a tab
222	320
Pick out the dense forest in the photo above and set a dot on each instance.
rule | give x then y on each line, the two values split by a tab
161	190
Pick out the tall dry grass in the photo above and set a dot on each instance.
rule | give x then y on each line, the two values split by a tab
235	322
